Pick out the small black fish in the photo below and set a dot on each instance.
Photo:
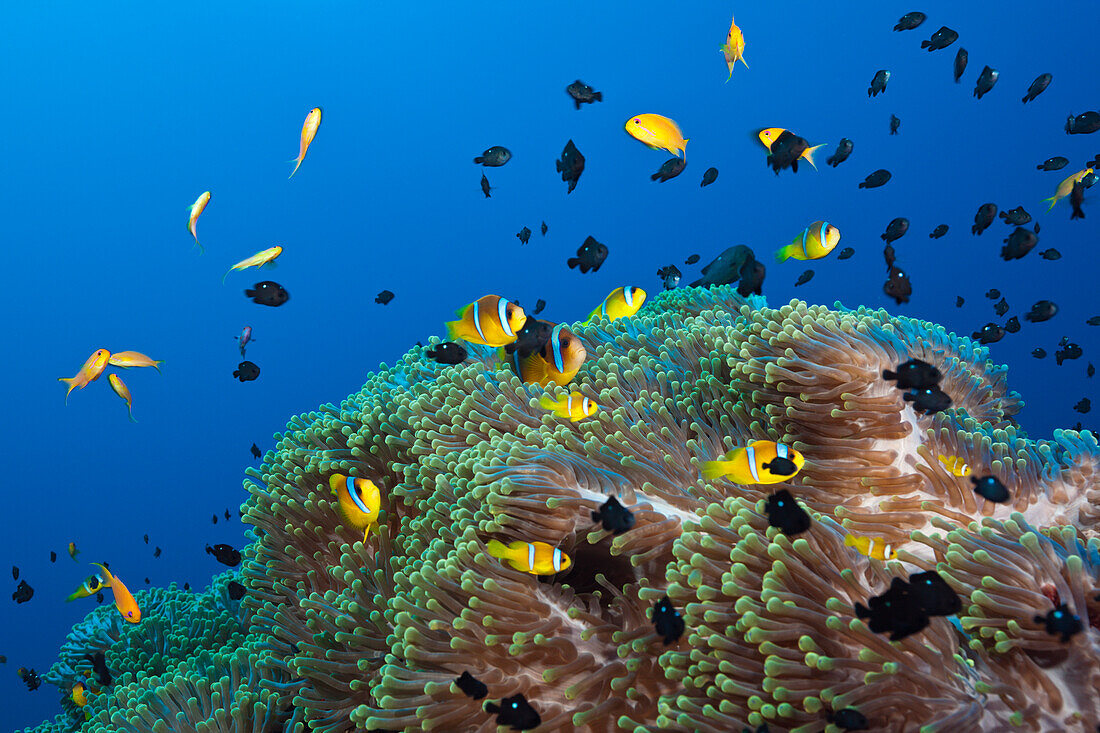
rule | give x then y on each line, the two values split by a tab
785	151
494	157
515	712
909	21
214	519
384	297
1083	406
725	269
848	719
751	274
668	621
843	150
30	678
990	489
147	581
691	260
571	165
225	554
614	516
895	611
539	305
895	230
669	169
544	229
938	232
786	514
23	592
471	686
1037	87
1094	321
804	278
710	175
845	253
1001	307
1051	254
14	572
99	597
959	301
1039	353
156	552
985	216
1056	163
147	536
1083	124
1043	310
1060	622
246	371
1016	217
53	556
583	94
255	454
878	83
447	352
914	374
1076	198
670	276
187	586
961	57
942	38
876	179
531	338
932	399
897	286
99	666
590	256
485	187
1012	325
895	123
524	235
236	590
1019	243
1090	370
990	333
268	293
986	80
993	293
890	255
932	593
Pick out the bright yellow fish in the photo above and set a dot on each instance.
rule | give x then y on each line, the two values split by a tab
872	547
955	465
127	359
622	302
257	260
490	320
574	406
357	501
124	599
658	132
537	558
92	369
1065	187
196	210
734	48
812	243
78	695
760	462
122	391
309	130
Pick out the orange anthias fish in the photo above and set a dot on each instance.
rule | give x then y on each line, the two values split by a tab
734	48
122	391
196	210
309	129
257	260
127	359
88	373
124	599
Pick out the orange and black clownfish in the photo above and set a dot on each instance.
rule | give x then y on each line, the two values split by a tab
558	361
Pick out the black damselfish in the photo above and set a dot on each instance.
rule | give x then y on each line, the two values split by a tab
843	150
23	592
785	513
246	371
848	719
914	374
932	399
225	554
447	352
255	454
668	621
669	169
236	590
471	686
268	293
571	165
515	712
1061	622
990	489
614	516
384	297
590	256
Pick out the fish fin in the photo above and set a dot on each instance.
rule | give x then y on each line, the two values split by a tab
298	163
1053	200
598	96
713	469
849	541
809	154
784	253
746	63
202	250
546	402
453	330
108	579
497	549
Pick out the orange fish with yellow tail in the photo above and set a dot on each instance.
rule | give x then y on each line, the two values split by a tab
124	599
309	130
88	373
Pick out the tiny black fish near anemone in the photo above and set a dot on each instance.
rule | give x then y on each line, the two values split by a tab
804	278
934	595
670	276
30	678
571	165
914	374
515	712
1000	307
1012	325
99	666
897	285
447	352
990	333
531	338
1061	621
942	38
268	293
990	488
1067	351
848	719
931	399
1083	406
614	516
225	554
246	371
539	305
890	255
786	514
590	256
384	297
236	590
895	611
1019	243
1016	217
843	150
23	592
691	260
255	454
471	686
668	621
751	275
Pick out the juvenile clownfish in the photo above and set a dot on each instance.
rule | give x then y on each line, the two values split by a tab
622	302
872	547
760	462
812	243
122	391
537	558
357	501
574	406
558	361
309	131
196	210
734	48
92	584
955	465
259	259
490	320
127	359
91	371
658	132
78	695
124	600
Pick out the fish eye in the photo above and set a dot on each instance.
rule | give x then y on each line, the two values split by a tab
637	121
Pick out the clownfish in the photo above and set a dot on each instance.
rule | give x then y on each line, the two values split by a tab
658	132
812	243
490	320
955	466
574	407
734	48
309	130
259	259
357	501
92	584
537	558
127	359
558	361
124	599
872	547
760	462
92	369
196	210
122	391
622	302
78	695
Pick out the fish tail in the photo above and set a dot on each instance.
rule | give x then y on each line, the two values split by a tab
131	411
1053	200
784	253
226	275
202	250
547	403
849	541
298	162
74	596
713	469
497	549
598	96
809	154
453	330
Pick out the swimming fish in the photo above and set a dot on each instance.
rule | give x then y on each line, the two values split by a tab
734	48
786	514
1061	622
524	235
494	157
1056	163
384	297
23	592
895	230
710	175
196	210
667	621
78	696
583	94
872	547
785	149
658	132
897	285
614	516
99	666
1083	124
691	260
843	150
905	608
557	362
544	229
246	371
990	333
848	719
812	243
92	584
909	21
955	465
913	374
990	488
929	399
73	552
91	371
1016	217
845	253
590	256
255	454
490	320
760	462
1037	87
620	303
876	179
124	600
515	712
127	359
122	391
986	80
670	276
485	187
225	554
358	502
1019	243
942	38
984	217
471	686
236	590
669	169
268	293
961	57
878	83
257	260
570	165
309	130
244	339
537	558
30	678
447	352
804	278
574	406
1042	310
895	123
1066	187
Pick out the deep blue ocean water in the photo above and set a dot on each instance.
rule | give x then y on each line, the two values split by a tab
119	116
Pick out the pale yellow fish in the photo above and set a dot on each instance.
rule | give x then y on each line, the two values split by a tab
196	210
257	260
127	359
1065	187
734	48
122	391
309	130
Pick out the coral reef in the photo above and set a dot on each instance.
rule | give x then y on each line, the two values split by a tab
335	634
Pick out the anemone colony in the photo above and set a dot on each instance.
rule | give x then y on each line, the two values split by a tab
336	635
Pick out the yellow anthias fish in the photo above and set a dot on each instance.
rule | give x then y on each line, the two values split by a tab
537	558
734	48
955	465
127	359
122	391
196	210
872	547
257	260
490	320
658	132
760	462
309	129
813	243
124	599
357	501
92	584
88	373
622	302
557	362
574	406
1065	187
